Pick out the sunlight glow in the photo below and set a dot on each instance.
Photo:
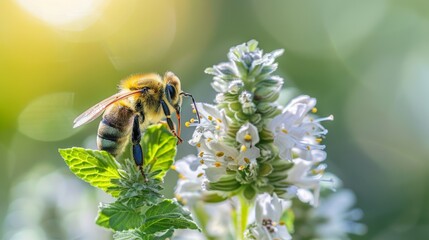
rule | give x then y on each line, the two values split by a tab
61	12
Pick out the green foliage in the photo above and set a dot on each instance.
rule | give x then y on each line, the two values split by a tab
119	216
137	234
165	215
97	168
140	210
134	190
159	150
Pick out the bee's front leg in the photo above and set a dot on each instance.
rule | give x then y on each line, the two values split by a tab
169	121
137	148
178	120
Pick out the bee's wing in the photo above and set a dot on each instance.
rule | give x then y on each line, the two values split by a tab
99	108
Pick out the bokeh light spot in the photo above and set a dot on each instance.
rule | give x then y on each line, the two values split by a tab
48	118
61	12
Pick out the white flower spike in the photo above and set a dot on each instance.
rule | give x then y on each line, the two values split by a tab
252	149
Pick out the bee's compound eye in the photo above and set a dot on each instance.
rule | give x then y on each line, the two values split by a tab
171	92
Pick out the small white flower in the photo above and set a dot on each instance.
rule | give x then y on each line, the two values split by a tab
212	125
248	135
294	128
306	181
338	219
268	211
217	157
248	156
189	185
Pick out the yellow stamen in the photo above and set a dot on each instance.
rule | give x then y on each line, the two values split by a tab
308	147
192	120
219	120
318	140
173	167
198	145
187	124
220	154
210	118
201	154
282	223
241	168
200	174
194	111
181	176
217	164
284	131
317	171
209	139
247	138
243	148
202	161
217	127
314	110
247	160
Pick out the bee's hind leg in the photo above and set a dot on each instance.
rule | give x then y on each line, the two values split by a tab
137	148
169	121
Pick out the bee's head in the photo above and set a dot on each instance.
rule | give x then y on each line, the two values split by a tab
172	89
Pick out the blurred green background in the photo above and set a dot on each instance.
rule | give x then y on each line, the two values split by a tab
367	63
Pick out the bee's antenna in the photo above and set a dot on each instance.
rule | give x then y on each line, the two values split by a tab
193	101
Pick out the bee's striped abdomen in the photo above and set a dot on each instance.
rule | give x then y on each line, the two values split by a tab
114	129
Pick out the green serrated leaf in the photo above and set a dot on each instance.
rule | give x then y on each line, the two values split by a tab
119	217
129	235
97	168
137	234
159	147
165	215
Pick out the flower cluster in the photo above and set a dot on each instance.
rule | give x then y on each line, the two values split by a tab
251	147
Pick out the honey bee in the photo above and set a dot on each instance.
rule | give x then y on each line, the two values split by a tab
143	99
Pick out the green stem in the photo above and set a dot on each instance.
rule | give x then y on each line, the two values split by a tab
242	215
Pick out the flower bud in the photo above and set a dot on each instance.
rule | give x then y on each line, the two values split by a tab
249	108
266	108
245	97
272	81
256	119
266	135
235	86
267	70
234	107
240	116
266	92
225	70
219	85
265	169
